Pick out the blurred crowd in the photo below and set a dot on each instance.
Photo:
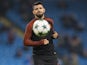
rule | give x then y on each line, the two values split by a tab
68	47
23	7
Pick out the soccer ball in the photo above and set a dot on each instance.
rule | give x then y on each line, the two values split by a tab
41	27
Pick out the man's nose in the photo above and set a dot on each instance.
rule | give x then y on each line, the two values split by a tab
39	10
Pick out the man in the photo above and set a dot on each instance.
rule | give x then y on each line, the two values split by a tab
43	49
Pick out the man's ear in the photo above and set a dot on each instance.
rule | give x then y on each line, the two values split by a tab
44	10
33	12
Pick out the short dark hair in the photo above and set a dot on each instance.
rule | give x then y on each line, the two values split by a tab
37	3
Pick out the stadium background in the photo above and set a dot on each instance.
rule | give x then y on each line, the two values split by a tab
70	21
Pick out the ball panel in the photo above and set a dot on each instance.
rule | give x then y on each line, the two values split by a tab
41	27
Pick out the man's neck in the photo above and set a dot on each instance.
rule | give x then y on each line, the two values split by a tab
40	18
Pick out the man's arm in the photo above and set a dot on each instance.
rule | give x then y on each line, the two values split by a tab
27	37
55	34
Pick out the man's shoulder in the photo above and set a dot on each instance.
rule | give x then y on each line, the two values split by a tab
32	20
30	23
49	19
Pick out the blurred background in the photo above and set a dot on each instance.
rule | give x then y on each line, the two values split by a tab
70	21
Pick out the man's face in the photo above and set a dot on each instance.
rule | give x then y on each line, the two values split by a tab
38	10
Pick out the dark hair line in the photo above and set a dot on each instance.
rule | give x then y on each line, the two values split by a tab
37	3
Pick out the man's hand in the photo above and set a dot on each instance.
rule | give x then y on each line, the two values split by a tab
55	35
46	41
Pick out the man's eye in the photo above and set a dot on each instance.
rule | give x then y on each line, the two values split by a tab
36	9
40	8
